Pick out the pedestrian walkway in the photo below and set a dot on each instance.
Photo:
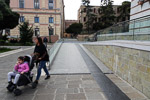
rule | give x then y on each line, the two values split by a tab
74	76
69	61
72	59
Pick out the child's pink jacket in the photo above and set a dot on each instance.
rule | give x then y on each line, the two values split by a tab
22	67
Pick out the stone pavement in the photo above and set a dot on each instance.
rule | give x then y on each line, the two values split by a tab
60	87
74	77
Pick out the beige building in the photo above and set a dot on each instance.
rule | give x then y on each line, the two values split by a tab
69	22
46	16
95	10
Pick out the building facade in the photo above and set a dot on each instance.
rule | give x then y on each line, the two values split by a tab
46	16
69	22
95	10
140	18
139	10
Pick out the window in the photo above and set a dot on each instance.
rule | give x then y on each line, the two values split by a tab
99	19
21	18
84	19
51	20
36	4
84	9
50	1
36	19
21	3
94	10
96	20
118	10
50	4
7	32
37	32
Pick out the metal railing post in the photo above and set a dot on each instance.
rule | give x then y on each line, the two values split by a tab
133	29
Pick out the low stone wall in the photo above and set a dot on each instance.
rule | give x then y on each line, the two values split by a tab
132	65
82	37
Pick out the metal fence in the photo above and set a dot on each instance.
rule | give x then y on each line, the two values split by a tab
137	29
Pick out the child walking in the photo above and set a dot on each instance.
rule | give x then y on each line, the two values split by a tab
20	68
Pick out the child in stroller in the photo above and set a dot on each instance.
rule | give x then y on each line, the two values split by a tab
21	74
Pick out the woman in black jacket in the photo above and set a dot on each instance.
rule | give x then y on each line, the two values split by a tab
43	57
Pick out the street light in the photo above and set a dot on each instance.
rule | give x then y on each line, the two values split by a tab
50	29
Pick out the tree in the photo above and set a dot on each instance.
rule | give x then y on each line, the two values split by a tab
88	10
105	2
124	11
26	32
8	19
91	21
97	26
91	17
86	2
75	29
107	13
7	2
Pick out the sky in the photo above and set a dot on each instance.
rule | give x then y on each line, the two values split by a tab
72	6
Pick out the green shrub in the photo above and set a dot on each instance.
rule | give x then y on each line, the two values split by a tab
5	49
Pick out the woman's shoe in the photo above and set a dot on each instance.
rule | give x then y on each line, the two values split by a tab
47	77
36	82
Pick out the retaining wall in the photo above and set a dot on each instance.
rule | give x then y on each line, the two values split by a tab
132	65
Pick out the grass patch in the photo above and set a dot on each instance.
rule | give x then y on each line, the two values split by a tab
17	44
5	49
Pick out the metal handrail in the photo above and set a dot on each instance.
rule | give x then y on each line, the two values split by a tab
127	26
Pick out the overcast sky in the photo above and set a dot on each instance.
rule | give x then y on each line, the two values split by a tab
72	6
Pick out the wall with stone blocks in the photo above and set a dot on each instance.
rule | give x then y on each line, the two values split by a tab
130	64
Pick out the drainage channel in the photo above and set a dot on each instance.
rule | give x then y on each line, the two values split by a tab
110	90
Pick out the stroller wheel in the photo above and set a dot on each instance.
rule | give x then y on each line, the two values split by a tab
17	92
11	88
34	85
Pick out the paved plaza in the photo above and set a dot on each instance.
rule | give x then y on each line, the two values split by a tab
74	76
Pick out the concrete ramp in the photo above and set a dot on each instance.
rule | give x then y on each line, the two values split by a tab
69	61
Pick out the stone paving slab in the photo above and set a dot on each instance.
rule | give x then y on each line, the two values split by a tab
66	89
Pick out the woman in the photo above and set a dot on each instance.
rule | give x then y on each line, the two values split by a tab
43	57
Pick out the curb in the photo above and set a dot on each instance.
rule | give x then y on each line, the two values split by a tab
54	54
13	52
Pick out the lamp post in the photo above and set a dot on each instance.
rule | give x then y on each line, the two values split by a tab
50	29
